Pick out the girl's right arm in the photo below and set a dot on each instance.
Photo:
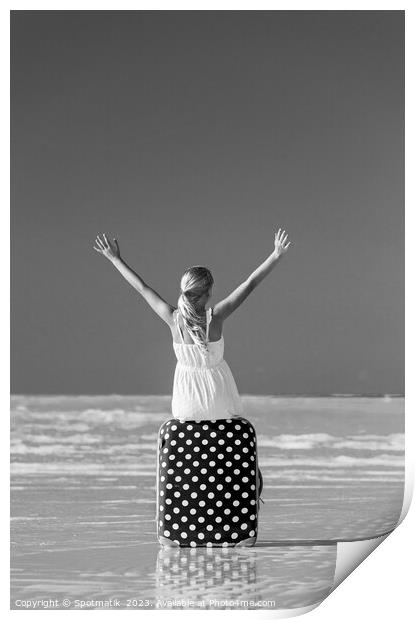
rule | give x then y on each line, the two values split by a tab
228	305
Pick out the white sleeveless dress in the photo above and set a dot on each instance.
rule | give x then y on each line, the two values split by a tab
203	387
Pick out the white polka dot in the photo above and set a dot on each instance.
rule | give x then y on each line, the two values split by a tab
212	449
237	456
244	510
185	502
192	526
217	536
183	535
236	487
161	492
220	456
195	463
200	535
236	502
202	487
202	502
211	495
234	535
227	511
193	511
235	518
187	471
194	495
229	434
192	543
219	487
189	442
219	503
209	527
170	471
177	494
218	519
210	511
184	518
195	478
252	533
228	479
221	427
185	487
168	517
181	434
175	526
244	526
176	510
173	428
213	434
226	527
168	500
201	519
221	442
196	449
227	495
220	471
166	533
252	517
211	478
203	471
212	463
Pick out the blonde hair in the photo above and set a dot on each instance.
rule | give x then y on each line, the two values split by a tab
195	282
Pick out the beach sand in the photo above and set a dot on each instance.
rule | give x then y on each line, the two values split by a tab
83	501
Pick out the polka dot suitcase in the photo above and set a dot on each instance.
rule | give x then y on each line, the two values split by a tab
208	483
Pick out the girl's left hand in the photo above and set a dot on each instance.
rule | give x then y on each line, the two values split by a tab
106	248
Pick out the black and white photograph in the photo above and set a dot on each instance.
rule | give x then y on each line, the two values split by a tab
207	303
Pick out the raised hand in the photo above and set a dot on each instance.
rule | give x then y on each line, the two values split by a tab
106	248
280	242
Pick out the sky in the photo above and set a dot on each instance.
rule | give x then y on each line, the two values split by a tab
191	137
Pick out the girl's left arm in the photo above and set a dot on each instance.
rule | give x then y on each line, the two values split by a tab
157	303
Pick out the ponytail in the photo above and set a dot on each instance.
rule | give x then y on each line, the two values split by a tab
195	283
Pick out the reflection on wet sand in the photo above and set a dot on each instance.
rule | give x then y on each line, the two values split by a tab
230	578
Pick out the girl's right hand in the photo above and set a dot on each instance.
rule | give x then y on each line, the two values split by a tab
106	248
280	242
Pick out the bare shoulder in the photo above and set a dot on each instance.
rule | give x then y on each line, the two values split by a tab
216	325
172	317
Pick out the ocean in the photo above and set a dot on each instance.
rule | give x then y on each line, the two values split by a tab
83	501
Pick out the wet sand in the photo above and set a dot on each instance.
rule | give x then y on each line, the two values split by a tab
83	501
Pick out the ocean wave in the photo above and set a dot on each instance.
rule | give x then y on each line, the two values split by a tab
310	441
